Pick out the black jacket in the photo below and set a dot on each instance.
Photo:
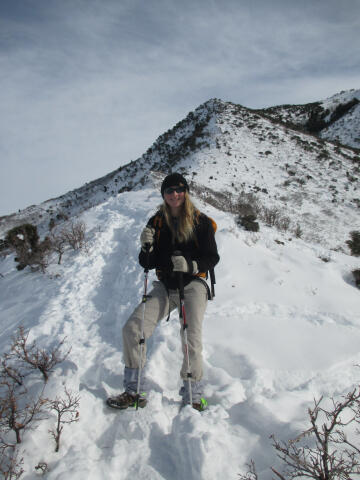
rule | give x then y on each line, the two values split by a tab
202	249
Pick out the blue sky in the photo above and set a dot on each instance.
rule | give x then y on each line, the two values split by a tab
88	85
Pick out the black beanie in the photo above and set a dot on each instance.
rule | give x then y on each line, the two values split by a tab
173	180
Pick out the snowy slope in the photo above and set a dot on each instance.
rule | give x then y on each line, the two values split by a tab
336	118
231	149
283	328
347	128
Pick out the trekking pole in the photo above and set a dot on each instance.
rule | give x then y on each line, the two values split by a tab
142	336
182	315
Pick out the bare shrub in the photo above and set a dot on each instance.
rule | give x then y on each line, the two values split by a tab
298	231
74	235
9	370
58	242
327	453
17	415
283	223
34	357
40	258
247	204
220	200
67	411
21	408
324	451
270	215
251	473
10	462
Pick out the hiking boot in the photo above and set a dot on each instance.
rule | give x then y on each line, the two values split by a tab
201	405
126	400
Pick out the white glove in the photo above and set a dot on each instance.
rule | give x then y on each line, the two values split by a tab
181	265
147	238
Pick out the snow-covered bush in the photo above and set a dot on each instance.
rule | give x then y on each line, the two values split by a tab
354	243
271	215
248	222
247	207
24	240
298	231
356	275
30	251
23	236
3	245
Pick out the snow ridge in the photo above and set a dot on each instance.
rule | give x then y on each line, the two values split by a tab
282	329
337	118
231	149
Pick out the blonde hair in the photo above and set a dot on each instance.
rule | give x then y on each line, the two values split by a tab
187	220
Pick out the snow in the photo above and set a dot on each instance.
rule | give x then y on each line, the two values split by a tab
231	149
282	329
346	129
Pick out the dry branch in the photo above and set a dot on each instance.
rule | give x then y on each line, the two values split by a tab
34	357
326	454
67	411
16	415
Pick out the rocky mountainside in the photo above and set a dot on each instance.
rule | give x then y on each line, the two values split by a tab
336	119
227	150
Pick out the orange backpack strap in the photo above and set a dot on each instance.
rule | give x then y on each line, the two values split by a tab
157	224
213	223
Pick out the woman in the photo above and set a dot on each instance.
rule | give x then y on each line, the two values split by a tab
177	227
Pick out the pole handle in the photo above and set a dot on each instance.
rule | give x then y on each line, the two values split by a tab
179	275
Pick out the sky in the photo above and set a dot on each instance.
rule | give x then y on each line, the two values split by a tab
88	85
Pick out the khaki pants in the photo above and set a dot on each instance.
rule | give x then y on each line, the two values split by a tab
156	308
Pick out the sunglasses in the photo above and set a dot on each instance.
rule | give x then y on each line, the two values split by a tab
171	190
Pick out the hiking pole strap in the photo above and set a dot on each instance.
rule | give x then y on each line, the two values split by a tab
213	282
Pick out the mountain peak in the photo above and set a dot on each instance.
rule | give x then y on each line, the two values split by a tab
225	149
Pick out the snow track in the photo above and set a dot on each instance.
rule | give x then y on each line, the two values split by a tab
282	329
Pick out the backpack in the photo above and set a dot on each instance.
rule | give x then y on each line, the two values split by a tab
157	224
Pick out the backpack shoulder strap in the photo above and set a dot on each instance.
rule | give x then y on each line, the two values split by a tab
213	223
211	271
156	222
